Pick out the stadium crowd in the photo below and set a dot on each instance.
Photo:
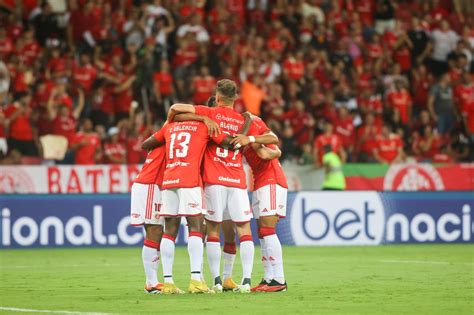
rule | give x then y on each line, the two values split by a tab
380	80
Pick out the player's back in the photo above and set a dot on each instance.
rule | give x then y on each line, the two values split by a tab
153	168
185	145
223	166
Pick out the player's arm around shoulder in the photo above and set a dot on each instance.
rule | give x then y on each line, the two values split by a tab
180	108
212	126
266	153
259	133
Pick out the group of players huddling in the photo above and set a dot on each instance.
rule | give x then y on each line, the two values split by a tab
194	169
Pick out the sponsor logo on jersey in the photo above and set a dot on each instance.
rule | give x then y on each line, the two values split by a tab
171	181
177	163
265	210
229	180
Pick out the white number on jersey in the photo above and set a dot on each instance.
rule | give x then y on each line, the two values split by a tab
182	150
224	153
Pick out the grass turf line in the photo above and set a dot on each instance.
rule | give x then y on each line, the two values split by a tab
322	280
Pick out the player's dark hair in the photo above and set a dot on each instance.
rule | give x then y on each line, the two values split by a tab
211	101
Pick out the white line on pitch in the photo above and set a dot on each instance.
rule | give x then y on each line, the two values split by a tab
66	266
26	310
428	262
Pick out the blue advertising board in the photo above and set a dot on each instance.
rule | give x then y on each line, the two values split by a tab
313	218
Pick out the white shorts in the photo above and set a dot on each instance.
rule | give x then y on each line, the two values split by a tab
145	205
182	202
269	200
227	203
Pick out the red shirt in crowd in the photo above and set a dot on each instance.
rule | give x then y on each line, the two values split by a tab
400	100
124	98
65	126
388	149
84	76
294	68
116	150
334	140
20	127
366	136
346	131
464	95
165	81
6	48
85	154
203	89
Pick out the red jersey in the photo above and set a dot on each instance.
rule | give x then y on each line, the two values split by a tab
85	154
84	76
154	168
20	127
6	47
166	82
388	148
346	130
464	95
322	140
203	89
65	126
294	68
185	145
116	150
400	100
265	172
221	166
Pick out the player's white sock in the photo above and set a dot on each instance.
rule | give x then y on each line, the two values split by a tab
229	258
267	266
195	251
213	249
247	251
151	258
274	252
167	257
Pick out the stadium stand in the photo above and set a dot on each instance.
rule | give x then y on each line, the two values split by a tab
384	81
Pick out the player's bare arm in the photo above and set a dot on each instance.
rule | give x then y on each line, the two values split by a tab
212	126
179	108
243	140
152	143
227	142
266	153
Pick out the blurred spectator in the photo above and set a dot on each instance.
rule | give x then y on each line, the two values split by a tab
328	138
20	121
114	151
444	41
388	147
86	145
441	105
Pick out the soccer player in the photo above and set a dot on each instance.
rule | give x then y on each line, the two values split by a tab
146	196
182	195
225	185
268	202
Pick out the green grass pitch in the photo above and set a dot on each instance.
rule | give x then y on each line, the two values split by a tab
404	279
